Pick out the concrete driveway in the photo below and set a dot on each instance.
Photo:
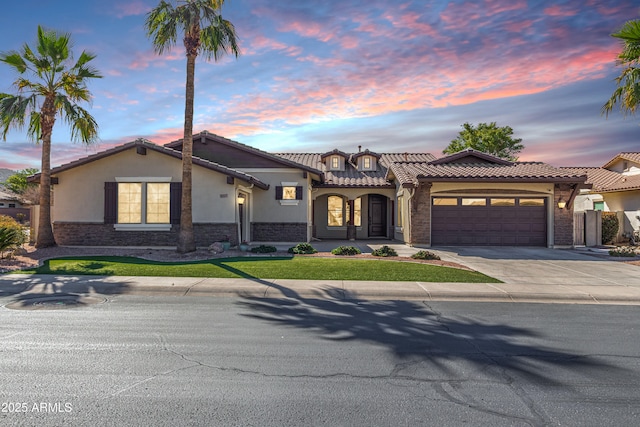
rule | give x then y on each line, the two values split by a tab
543	266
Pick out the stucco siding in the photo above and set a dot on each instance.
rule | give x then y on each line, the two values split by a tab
266	209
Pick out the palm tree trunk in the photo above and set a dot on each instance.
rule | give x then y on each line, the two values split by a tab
186	240
45	231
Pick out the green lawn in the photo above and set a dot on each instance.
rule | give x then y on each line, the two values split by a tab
264	268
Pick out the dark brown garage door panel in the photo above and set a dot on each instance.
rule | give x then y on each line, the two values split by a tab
489	225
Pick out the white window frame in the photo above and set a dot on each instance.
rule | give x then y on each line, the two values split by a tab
143	226
289	202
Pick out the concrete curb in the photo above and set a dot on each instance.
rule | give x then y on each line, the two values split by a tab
21	285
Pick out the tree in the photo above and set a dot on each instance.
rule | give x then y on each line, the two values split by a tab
56	86
204	32
18	181
627	94
488	138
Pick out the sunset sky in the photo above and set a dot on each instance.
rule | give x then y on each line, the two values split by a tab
391	76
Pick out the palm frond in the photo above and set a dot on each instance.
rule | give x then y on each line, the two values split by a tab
13	111
84	127
162	26
14	60
218	39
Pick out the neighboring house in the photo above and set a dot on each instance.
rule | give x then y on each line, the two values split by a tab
615	188
130	195
9	199
11	204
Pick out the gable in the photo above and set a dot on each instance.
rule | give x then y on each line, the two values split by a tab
471	156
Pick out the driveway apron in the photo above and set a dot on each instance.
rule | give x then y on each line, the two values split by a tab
531	266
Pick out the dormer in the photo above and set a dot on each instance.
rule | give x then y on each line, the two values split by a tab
334	160
365	161
625	163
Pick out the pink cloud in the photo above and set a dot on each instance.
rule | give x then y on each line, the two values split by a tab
135	8
557	10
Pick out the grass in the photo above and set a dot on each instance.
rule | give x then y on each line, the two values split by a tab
263	268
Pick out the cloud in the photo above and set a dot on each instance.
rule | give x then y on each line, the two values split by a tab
135	8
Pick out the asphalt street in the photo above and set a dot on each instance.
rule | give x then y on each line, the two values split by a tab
304	360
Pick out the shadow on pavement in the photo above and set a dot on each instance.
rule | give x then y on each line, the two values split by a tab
416	333
71	289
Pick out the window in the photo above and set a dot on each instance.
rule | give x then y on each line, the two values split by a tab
503	202
531	202
468	201
154	210
400	208
289	193
335	163
335	210
366	163
12	205
445	201
598	206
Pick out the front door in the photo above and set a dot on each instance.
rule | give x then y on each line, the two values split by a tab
377	216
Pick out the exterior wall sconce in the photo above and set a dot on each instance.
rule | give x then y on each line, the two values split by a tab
561	203
240	199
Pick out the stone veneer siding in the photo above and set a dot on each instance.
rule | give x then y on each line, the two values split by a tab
420	212
563	218
278	231
99	234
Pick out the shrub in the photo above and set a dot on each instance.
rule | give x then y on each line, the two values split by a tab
610	226
620	251
346	250
384	251
12	235
302	248
425	255
263	249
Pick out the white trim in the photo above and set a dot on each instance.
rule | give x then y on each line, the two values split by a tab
289	202
142	227
143	179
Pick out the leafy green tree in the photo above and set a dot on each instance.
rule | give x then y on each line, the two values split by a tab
18	181
48	84
204	32
488	138
627	94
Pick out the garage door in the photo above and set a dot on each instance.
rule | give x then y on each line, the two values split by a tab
489	221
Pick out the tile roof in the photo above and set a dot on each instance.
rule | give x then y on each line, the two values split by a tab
351	176
516	171
605	180
631	156
6	194
160	149
177	145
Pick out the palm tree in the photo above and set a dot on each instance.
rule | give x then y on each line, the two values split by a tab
55	88
627	94
206	32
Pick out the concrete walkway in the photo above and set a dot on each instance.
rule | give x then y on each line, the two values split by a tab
529	275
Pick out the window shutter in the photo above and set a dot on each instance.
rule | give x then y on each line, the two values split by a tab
278	192
299	192
175	204
110	202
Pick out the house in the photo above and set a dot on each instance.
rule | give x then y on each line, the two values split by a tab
11	204
130	195
615	188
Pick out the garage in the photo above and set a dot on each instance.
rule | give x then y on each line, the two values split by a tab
489	221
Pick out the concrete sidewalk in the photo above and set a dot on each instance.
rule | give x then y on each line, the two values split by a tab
529	275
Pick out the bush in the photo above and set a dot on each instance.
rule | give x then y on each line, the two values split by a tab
12	235
302	248
263	249
425	255
346	250
384	251
620	251
610	226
